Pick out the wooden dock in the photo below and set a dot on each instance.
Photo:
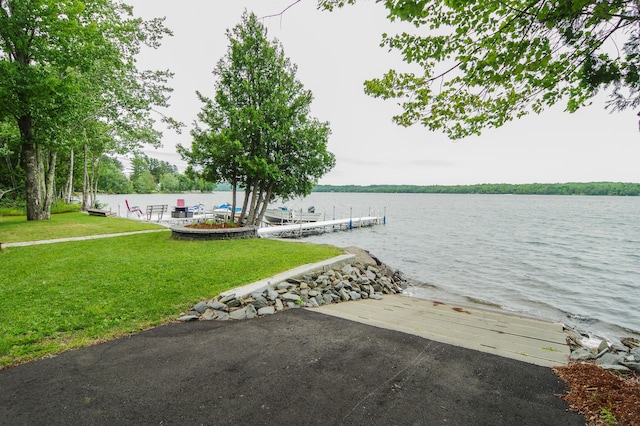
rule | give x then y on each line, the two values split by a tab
524	339
100	212
301	229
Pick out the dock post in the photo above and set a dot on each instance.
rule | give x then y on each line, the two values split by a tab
350	217
384	218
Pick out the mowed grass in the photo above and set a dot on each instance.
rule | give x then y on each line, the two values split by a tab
17	229
55	297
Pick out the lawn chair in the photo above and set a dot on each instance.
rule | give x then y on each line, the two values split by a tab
133	209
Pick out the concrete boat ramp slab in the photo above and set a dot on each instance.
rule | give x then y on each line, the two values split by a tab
524	339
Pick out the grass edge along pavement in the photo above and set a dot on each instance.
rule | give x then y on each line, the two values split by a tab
85	292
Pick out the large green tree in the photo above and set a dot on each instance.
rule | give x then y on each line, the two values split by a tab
65	66
481	63
256	133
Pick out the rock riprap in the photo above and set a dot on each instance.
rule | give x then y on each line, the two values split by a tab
352	282
621	357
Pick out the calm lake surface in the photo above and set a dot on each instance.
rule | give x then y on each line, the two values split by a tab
570	259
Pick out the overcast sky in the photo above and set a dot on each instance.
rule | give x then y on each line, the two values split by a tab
335	52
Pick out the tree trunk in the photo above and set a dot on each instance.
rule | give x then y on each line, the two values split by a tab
251	216
34	174
70	186
245	203
85	179
265	203
49	185
93	185
234	199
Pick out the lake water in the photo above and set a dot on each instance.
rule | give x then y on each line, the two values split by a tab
570	259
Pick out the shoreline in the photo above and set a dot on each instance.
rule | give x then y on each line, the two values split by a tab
358	275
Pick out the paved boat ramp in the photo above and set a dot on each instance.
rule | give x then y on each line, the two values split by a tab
497	332
524	339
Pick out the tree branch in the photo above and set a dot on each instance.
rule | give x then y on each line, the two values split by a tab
283	11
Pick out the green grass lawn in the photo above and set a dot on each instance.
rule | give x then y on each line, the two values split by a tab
60	296
17	228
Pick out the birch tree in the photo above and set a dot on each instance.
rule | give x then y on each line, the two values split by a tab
66	64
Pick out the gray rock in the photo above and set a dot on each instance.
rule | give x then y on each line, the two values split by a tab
279	305
259	293
610	359
347	269
272	295
208	315
328	298
222	315
603	345
267	310
636	353
250	311
290	297
187	318
582	354
233	303
238	314
200	307
614	367
259	302
354	295
344	295
218	306
292	305
635	366
227	298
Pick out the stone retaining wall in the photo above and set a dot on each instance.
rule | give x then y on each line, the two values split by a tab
351	282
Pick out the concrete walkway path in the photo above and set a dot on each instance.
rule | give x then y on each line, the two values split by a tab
87	237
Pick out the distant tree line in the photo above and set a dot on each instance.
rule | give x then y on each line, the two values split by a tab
572	188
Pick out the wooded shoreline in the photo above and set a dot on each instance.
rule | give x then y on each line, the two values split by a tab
571	188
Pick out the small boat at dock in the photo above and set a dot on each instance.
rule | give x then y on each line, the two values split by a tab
284	215
223	211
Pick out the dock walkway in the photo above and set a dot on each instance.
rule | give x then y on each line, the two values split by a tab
320	226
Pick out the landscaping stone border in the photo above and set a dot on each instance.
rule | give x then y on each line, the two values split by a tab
181	232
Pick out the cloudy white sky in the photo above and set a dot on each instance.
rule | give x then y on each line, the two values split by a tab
335	52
